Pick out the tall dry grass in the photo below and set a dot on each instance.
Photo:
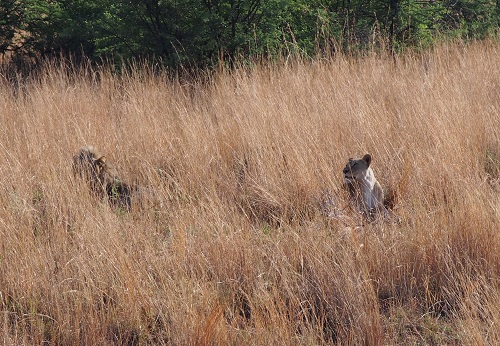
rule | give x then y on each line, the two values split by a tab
238	251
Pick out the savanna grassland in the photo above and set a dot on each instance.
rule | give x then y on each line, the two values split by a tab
233	246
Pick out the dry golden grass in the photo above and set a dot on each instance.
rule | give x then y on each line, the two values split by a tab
238	251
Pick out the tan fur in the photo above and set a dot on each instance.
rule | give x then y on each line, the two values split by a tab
103	180
364	189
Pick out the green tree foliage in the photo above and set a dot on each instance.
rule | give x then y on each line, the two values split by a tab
41	28
200	32
9	19
471	18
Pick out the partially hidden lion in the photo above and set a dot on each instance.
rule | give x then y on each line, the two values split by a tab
364	189
102	178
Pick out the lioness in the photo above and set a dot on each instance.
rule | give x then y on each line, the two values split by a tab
102	177
363	188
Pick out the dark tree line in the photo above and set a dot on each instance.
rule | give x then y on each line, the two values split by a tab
201	32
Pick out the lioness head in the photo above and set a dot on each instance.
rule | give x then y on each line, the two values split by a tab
356	169
91	166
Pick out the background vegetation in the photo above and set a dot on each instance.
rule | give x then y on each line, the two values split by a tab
200	33
235	247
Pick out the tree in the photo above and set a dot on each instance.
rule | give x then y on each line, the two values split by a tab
10	18
198	33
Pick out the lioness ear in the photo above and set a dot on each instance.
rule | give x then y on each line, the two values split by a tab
368	159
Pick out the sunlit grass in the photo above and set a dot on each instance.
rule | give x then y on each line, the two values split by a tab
238	250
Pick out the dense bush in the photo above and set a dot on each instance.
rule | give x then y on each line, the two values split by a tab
196	33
